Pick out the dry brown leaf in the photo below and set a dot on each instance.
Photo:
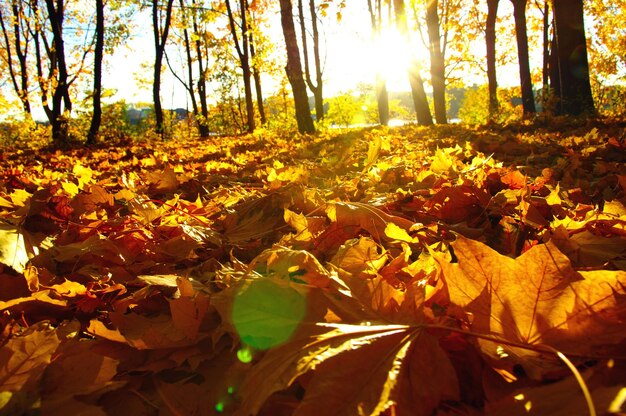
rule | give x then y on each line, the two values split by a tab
535	299
23	359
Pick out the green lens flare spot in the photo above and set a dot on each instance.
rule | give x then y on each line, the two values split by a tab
266	313
219	407
245	356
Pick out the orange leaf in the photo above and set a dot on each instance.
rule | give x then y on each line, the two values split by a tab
23	359
535	299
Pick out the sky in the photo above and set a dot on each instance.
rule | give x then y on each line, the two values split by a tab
348	59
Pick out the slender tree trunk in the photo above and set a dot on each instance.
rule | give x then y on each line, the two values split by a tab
160	39
243	52
61	103
96	119
187	45
318	93
316	88
575	95
294	69
18	19
546	45
490	40
420	100
519	13
256	74
382	96
202	117
437	63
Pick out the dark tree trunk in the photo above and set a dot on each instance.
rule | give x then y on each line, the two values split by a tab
437	63
18	20
294	69
202	117
555	78
575	88
546	45
61	103
187	44
519	13
243	52
160	39
318	93
96	119
420	101
315	87
490	40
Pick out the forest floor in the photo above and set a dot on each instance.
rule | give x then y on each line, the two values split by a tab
401	271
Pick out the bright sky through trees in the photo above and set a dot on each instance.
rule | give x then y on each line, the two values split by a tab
350	59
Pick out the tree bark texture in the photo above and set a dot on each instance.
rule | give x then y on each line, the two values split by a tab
437	63
490	41
317	86
528	99
243	52
160	39
294	69
573	67
96	118
61	103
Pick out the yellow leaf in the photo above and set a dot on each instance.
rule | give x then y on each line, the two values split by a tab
70	187
396	233
12	247
23	359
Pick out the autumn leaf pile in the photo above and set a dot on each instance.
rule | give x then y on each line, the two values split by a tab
404	271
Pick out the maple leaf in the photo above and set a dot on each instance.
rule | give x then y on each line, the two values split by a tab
535	299
359	370
81	368
91	199
23	359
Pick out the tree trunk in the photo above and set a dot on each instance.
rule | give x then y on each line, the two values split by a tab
420	101
575	89
490	40
202	117
316	88
555	78
61	103
256	74
437	63
519	13
545	75
382	96
96	119
160	38
294	69
18	19
243	52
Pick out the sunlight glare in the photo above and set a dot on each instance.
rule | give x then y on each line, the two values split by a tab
391	58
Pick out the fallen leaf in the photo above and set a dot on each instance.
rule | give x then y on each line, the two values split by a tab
534	300
23	359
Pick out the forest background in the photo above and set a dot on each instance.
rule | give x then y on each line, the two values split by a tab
69	63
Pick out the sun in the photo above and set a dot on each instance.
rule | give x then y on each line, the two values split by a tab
391	57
